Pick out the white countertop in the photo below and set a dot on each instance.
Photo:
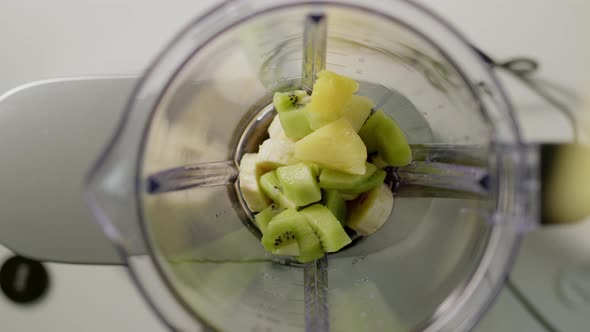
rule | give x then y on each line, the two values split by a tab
44	39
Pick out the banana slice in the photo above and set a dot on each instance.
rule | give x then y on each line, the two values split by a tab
249	175
274	153
369	211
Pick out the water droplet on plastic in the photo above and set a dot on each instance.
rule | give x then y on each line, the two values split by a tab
361	281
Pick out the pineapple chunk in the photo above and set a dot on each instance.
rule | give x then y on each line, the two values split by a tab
357	110
336	146
330	93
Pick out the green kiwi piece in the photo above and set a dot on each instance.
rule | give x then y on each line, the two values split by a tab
349	196
331	179
289	101
299	184
290	249
333	200
327	228
367	132
372	182
295	123
378	161
393	146
290	227
264	217
380	133
270	185
292	113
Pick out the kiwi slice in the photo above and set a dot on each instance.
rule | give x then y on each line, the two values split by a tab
264	217
295	123
397	153
373	181
380	133
367	133
328	229
378	161
332	179
270	185
288	228
349	196
290	101
292	113
333	200
299	184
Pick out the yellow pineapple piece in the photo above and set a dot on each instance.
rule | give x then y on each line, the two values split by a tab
330	93
357	110
336	146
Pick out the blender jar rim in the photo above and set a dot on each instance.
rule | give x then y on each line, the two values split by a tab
164	70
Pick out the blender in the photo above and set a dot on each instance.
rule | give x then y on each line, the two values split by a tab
189	242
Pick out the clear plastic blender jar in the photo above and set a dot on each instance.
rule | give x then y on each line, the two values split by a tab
192	249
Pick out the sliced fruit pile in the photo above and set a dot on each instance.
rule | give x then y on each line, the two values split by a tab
311	178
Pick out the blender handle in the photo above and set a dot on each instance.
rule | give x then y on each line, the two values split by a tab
565	183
